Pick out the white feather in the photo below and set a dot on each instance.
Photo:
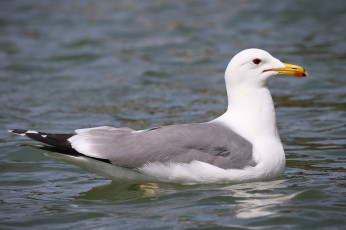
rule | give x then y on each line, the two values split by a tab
31	131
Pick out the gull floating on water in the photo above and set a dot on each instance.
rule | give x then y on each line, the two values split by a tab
241	145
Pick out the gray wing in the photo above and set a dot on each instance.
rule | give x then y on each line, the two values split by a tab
207	142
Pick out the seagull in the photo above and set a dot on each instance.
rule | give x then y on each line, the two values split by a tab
241	145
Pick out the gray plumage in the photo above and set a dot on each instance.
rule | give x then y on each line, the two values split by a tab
207	142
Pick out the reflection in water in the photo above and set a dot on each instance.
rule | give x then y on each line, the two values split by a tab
123	191
258	199
248	200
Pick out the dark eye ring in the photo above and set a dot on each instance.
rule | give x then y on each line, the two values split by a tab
256	61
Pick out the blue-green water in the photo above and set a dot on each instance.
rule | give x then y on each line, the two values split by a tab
71	64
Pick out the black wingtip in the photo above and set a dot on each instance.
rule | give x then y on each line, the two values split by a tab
21	132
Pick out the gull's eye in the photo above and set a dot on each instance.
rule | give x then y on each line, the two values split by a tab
256	61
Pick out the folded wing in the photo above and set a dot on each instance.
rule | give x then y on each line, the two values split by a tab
207	142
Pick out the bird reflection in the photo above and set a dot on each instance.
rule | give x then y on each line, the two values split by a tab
258	199
249	200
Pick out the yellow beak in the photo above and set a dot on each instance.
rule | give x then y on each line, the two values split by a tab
290	69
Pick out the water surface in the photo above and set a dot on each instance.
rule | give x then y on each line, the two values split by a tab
71	64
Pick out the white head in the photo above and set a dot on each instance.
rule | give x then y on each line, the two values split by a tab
250	105
255	67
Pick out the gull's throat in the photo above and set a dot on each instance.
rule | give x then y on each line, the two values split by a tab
251	113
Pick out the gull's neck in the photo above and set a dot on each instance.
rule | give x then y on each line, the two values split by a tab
250	113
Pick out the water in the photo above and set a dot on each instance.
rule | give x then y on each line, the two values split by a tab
71	64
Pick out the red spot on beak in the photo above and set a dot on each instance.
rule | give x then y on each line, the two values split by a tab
297	74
